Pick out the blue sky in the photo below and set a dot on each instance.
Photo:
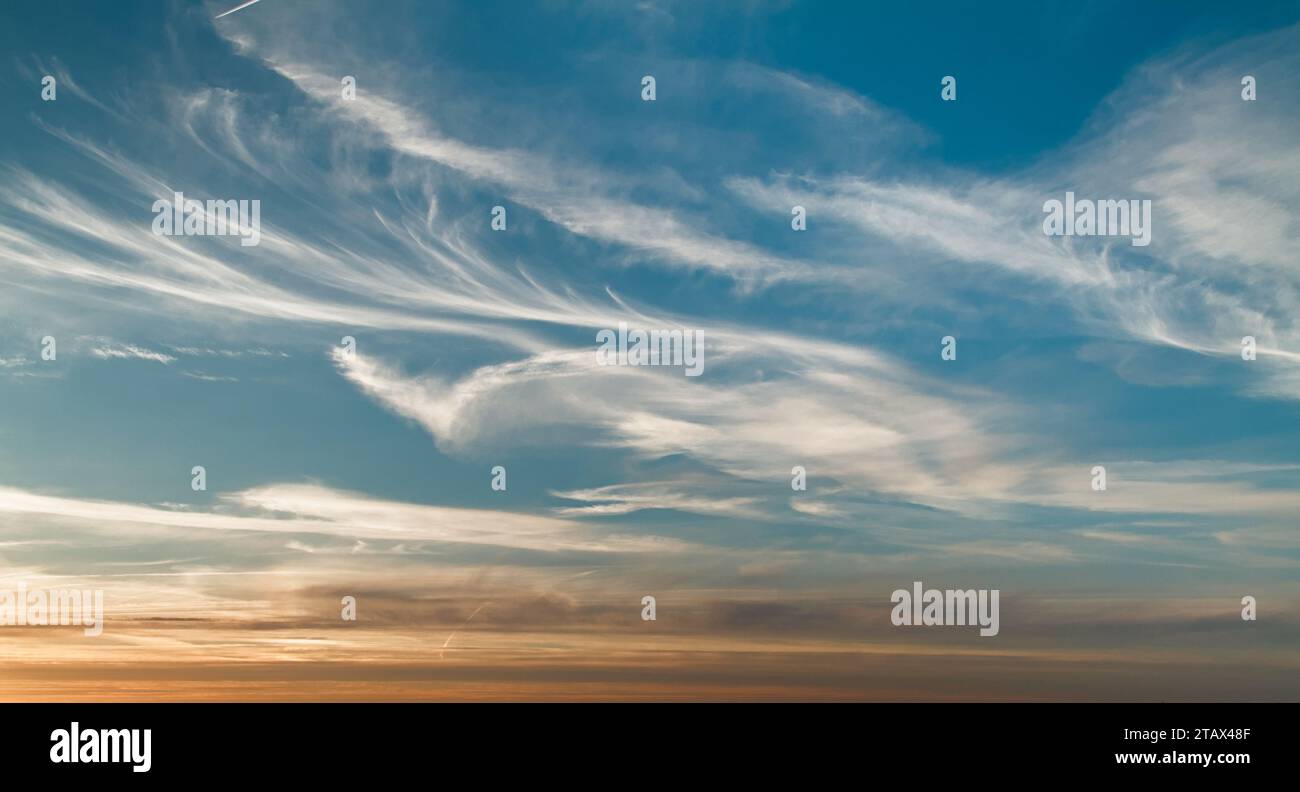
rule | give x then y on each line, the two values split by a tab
476	347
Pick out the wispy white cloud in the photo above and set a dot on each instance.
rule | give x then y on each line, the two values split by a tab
573	196
1219	266
106	349
312	509
619	499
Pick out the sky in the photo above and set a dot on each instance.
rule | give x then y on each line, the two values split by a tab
333	474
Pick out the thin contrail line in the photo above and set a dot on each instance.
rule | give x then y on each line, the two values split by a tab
447	642
458	629
236	8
